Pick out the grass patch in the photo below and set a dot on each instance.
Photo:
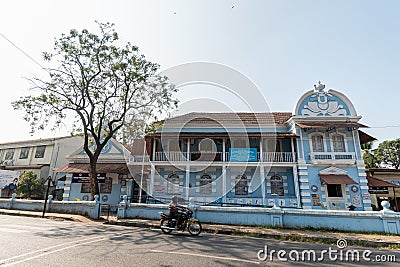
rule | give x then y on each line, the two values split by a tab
325	229
302	238
392	246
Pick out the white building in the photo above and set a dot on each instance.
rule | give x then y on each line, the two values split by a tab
42	156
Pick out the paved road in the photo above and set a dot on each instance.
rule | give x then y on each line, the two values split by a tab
41	242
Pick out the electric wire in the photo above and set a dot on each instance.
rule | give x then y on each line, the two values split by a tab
22	51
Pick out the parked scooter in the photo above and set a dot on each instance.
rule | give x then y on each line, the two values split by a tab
184	220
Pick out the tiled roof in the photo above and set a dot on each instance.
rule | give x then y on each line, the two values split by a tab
246	118
375	182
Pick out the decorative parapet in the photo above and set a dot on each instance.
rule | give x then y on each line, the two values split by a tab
324	103
332	157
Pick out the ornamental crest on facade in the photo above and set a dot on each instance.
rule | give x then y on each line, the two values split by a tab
322	105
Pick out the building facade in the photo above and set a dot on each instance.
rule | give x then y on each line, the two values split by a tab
112	173
42	156
308	159
384	185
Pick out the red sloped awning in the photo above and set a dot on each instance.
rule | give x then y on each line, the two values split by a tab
375	182
336	179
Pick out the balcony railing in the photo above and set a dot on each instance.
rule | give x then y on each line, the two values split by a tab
332	157
170	156
219	156
139	159
278	157
183	156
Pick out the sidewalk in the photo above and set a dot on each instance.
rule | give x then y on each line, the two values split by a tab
301	235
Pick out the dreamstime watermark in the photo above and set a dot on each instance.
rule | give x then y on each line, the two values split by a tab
338	253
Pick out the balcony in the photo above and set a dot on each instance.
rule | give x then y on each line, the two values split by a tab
332	157
272	157
193	156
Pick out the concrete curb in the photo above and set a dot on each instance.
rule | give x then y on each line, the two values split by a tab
48	215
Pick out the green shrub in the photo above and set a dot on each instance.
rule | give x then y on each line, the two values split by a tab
29	186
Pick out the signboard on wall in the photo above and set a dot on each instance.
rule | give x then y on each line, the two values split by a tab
365	196
316	200
8	179
81	178
356	200
243	154
159	188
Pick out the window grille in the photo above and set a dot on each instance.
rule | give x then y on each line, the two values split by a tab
277	185
205	184
241	185
318	143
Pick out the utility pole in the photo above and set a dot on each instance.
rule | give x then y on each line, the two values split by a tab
47	195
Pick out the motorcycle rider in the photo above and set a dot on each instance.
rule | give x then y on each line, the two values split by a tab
176	210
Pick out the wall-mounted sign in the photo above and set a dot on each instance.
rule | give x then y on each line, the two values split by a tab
365	196
316	200
243	154
356	200
8	179
314	188
159	188
378	190
84	178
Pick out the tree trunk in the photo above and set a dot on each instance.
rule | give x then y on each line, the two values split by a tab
94	183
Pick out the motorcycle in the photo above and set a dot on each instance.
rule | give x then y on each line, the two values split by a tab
184	220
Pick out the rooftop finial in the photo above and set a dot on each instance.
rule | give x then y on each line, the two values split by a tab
319	86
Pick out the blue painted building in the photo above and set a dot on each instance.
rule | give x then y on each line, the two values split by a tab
309	159
112	172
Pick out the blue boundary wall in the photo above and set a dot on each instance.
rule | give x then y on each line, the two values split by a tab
90	209
384	221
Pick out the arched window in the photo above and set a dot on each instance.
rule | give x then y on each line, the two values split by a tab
338	143
241	185
205	184
317	143
207	145
277	185
173	184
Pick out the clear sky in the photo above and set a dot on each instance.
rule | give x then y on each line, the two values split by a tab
283	46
